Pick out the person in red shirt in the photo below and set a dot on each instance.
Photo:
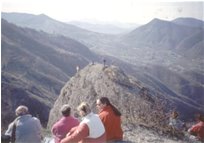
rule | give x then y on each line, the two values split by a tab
197	130
64	125
111	118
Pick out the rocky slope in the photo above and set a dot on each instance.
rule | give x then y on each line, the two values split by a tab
144	112
135	102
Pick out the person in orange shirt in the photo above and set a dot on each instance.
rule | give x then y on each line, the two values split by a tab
111	118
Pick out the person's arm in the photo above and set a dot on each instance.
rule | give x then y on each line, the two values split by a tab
81	132
193	130
54	129
9	130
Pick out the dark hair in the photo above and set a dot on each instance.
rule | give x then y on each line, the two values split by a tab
201	117
66	110
175	114
105	100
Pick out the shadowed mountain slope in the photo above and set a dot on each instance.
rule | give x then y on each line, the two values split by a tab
35	66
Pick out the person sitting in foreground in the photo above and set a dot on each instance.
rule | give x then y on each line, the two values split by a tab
197	130
90	129
175	123
111	118
64	125
25	128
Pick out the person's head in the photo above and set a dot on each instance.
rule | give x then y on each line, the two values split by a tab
201	117
84	109
102	102
21	110
66	110
174	114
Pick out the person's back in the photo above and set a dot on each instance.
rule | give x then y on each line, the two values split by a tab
200	133
111	120
112	124
90	130
175	122
27	128
197	130
64	125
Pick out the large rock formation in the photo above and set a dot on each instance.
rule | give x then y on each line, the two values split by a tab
130	97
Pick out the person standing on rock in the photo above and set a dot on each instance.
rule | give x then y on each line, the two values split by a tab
64	125
90	129
25	128
111	118
104	62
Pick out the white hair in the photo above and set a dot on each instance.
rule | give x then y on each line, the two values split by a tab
21	110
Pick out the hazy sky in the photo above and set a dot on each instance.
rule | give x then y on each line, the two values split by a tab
127	11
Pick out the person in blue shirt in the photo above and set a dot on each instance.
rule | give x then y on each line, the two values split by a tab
25	128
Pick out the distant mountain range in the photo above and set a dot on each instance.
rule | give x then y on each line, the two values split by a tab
165	56
44	23
106	28
191	22
153	36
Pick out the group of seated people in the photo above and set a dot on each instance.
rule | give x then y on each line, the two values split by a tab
93	128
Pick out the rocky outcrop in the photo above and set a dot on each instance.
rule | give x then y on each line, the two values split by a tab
129	96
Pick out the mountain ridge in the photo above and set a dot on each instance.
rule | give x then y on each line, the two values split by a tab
191	22
34	65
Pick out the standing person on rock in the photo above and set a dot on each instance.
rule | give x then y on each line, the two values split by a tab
111	118
25	128
64	125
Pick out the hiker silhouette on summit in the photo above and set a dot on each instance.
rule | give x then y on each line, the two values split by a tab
104	62
77	69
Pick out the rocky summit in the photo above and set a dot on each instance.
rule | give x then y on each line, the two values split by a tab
135	102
